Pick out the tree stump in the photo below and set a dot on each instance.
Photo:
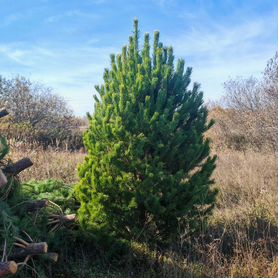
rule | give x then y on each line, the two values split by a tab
7	268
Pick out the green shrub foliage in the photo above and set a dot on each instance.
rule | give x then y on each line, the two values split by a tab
148	164
16	220
8	192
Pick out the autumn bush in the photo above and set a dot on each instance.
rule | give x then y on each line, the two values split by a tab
246	117
37	115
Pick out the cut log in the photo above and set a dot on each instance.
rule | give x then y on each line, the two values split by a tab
51	256
3	179
59	220
31	249
3	113
36	205
69	217
54	219
18	166
7	268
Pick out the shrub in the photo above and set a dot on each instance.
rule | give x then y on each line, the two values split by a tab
148	163
248	116
37	114
53	190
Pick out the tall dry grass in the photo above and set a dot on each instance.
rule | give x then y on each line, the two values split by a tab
248	184
242	236
244	222
48	164
241	239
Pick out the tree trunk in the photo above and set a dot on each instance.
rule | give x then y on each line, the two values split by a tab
7	268
19	166
31	249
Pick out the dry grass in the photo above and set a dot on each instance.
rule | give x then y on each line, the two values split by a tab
49	164
242	237
248	184
246	215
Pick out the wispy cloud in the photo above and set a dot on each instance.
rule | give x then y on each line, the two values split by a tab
218	52
66	44
70	72
215	38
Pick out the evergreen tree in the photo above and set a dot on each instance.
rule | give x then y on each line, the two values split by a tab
148	164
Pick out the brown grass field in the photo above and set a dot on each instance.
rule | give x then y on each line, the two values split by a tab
241	240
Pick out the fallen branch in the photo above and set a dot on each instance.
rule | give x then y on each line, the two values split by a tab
37	205
58	220
18	166
29	249
68	218
55	218
7	268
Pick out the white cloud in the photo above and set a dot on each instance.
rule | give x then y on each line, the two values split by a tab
72	72
213	38
218	52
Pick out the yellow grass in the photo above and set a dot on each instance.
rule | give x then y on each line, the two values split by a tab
49	164
244	219
248	185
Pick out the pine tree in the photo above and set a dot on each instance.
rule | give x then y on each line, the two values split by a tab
148	164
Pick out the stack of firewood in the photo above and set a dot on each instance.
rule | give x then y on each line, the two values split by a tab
24	251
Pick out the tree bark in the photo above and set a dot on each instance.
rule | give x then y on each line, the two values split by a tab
31	249
36	205
7	268
18	166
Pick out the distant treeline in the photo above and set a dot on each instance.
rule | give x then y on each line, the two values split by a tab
246	117
38	116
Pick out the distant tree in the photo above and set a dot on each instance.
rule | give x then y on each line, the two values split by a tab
271	78
34	106
148	165
270	89
250	118
243	94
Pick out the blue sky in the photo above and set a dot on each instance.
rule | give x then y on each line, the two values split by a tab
65	44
